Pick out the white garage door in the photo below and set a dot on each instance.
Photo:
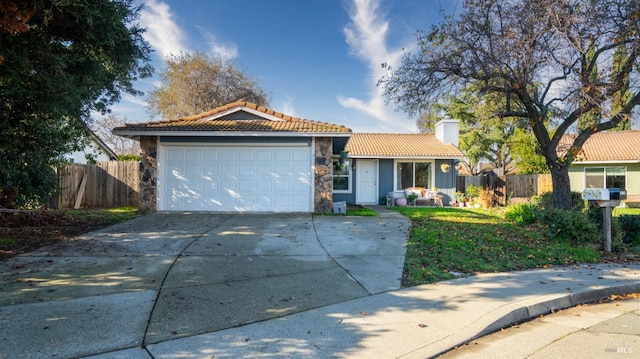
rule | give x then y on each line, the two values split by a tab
217	178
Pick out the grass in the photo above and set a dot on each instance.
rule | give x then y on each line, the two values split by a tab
618	211
362	212
445	240
103	215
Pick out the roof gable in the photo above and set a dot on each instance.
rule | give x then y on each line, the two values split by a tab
400	145
103	146
234	119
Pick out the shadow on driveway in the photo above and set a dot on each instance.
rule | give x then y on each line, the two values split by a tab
172	275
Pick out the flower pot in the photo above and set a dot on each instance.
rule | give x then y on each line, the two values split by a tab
486	204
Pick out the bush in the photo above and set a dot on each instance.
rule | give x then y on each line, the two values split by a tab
629	225
570	226
129	157
522	213
545	201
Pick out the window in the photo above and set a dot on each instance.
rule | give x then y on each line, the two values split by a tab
341	177
607	177
413	174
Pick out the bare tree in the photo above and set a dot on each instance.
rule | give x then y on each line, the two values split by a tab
195	83
539	55
120	145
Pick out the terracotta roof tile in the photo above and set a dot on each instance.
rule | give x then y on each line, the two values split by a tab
399	145
611	146
203	122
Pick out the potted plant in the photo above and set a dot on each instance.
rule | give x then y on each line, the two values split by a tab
460	199
486	197
412	198
471	194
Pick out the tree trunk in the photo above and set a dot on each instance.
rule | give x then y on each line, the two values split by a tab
561	186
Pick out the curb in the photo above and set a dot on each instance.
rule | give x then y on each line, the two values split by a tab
526	313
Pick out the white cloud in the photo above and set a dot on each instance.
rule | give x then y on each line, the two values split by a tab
163	33
366	36
228	51
139	101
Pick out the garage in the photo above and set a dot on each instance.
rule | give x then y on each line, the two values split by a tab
239	157
251	178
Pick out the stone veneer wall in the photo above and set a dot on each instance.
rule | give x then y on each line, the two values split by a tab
148	174
323	184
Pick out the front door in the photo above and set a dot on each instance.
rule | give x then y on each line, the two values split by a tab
367	182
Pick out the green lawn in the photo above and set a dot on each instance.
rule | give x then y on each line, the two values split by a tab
467	241
104	216
626	211
363	212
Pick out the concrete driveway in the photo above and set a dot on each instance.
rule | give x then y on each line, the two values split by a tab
170	275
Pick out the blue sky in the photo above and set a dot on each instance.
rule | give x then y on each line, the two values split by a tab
318	59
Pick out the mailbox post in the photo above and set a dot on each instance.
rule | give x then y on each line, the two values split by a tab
606	198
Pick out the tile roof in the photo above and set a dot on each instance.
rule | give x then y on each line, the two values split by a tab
611	146
399	145
217	120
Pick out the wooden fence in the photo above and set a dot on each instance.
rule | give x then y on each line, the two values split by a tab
510	186
104	184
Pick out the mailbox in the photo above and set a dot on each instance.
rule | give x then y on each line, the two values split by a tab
604	194
595	194
617	194
607	198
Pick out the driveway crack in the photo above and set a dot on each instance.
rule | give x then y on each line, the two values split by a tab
315	230
166	274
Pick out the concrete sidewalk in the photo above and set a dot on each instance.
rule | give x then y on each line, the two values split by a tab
418	322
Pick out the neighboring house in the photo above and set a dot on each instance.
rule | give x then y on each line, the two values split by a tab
95	150
609	160
244	157
381	163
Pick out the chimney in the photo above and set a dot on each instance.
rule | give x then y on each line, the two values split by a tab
448	131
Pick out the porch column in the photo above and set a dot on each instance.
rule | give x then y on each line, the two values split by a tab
148	174
323	184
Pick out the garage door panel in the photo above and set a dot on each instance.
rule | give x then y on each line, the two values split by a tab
264	170
228	169
246	155
300	156
282	186
300	187
173	155
282	155
210	174
264	156
192	155
216	178
210	155
246	170
193	171
227	154
264	186
247	188
283	169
